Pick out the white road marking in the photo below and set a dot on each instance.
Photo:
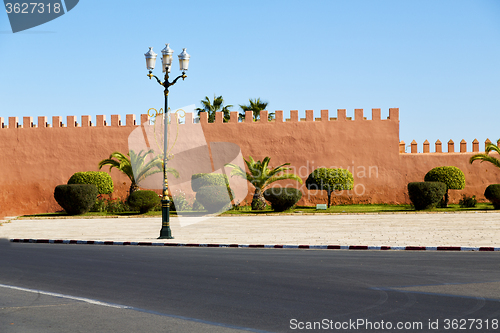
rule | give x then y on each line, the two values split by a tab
76	298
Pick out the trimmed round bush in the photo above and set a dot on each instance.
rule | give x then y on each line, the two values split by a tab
214	198
200	180
143	200
426	195
76	199
330	180
102	180
452	176
492	193
281	198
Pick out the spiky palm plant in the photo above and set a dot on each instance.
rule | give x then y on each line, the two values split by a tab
255	105
486	157
261	176
215	106
134	166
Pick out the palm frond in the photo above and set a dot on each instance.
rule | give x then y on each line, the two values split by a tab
486	157
265	162
492	147
128	170
151	168
146	175
279	169
255	105
110	162
211	107
285	176
119	156
174	172
238	171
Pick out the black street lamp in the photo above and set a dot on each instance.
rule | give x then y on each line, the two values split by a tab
167	52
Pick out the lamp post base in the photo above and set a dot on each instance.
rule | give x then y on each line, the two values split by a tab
166	235
165	232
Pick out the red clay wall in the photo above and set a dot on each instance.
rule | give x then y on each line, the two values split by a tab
37	158
359	144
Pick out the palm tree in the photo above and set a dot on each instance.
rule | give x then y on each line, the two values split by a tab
211	108
261	176
486	157
255	105
134	167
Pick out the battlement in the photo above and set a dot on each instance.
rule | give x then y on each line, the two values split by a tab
70	144
439	146
71	121
130	119
294	116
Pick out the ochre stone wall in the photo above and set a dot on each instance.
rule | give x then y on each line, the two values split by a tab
36	158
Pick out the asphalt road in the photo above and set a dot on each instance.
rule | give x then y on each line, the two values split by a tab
153	289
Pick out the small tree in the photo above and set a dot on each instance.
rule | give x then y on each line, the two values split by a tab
255	105
330	180
261	176
212	107
452	176
135	167
102	180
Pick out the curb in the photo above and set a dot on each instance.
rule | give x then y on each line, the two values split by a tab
491	211
262	246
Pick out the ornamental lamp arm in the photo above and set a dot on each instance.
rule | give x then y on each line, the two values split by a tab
183	76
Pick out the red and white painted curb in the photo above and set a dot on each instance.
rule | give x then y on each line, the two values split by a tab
262	246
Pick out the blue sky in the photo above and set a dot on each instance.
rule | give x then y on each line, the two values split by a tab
438	61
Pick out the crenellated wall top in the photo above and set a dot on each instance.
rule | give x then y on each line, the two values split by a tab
130	119
71	122
439	146
294	116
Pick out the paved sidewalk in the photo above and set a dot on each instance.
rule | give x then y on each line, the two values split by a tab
414	229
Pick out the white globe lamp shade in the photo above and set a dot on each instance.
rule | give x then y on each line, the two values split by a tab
184	60
150	59
167	55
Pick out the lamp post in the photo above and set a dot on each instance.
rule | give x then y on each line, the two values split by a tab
167	52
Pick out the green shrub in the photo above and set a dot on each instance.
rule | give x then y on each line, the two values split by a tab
426	195
99	205
330	180
200	180
492	193
102	180
214	198
117	206
237	206
451	176
110	205
76	199
197	206
143	200
468	202
281	198
178	202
